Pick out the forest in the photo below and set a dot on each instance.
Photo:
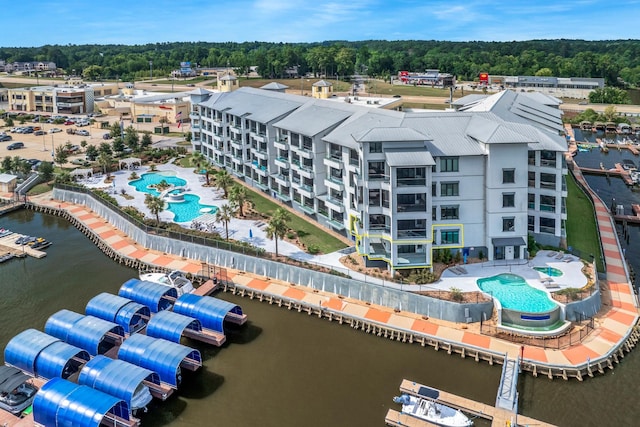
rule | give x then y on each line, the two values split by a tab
617	61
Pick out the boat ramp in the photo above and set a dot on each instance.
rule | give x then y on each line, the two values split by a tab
499	417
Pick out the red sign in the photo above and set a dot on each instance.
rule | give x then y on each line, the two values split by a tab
484	77
165	107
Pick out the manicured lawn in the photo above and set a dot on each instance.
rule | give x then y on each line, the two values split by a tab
582	233
40	189
308	233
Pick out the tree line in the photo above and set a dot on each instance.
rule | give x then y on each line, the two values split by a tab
617	61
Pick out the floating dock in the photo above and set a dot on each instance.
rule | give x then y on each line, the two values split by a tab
498	417
8	245
617	171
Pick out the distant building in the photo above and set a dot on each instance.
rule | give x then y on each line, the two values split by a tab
64	99
17	67
573	87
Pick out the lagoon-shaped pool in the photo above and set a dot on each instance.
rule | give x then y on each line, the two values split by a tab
514	293
184	210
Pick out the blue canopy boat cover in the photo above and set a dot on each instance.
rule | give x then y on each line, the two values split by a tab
63	403
158	355
154	295
120	379
43	356
95	335
208	310
170	326
132	316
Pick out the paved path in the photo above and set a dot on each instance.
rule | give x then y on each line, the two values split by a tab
611	328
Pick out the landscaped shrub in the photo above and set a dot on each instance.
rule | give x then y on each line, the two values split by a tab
456	294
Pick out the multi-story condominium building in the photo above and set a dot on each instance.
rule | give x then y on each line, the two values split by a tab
399	184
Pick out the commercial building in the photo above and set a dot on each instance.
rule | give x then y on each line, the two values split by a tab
400	184
63	99
572	87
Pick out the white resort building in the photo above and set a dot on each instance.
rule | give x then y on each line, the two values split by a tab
399	184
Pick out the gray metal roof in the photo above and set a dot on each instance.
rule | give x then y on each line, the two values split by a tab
447	136
362	120
260	105
315	117
274	86
483	129
322	83
409	158
388	134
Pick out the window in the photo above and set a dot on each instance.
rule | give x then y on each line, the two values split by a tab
508	176
449	237
449	189
434	213
508	200
375	147
450	212
532	158
509	224
531	199
449	164
434	191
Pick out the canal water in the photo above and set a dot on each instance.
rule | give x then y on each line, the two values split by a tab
285	368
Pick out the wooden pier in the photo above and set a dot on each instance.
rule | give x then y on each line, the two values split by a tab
498	417
8	244
633	219
617	171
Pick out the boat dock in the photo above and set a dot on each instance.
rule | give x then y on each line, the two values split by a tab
8	245
634	219
499	417
617	171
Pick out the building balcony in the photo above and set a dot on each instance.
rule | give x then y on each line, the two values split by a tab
237	144
284	197
281	144
353	165
260	154
305	171
261	170
408	259
217	123
261	186
282	179
303	152
334	204
419	233
333	162
237	160
282	162
306	190
194	116
337	225
309	210
235	129
418	207
260	137
335	183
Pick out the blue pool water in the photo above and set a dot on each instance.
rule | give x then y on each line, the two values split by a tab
514	293
549	271
155	178
184	211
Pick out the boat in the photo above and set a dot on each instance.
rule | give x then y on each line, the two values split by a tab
175	279
40	245
432	411
16	390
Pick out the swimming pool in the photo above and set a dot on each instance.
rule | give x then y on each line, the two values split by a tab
184	210
549	271
514	293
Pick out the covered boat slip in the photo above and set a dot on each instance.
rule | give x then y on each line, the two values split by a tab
63	403
212	312
172	326
121	379
153	295
159	355
90	333
44	356
131	315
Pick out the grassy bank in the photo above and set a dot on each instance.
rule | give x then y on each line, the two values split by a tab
582	232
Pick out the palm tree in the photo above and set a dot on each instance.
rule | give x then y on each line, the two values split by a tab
224	215
238	197
277	227
155	205
105	160
223	181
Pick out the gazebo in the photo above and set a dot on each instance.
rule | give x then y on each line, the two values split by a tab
83	173
130	163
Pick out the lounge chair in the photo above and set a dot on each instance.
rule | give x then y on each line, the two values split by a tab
462	270
552	254
560	255
455	271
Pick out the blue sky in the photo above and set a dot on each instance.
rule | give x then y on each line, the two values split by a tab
38	22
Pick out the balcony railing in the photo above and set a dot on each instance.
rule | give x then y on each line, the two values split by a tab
548	230
412	207
548	185
548	208
405	182
414	233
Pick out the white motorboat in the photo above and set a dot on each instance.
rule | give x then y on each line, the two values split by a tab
433	412
175	279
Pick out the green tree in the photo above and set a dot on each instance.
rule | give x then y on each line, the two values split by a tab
63	177
277	227
105	160
46	171
238	197
7	163
8	121
91	152
118	145
224	215
105	147
609	95
61	155
223	180
131	138
146	140
610	113
544	72
92	72
155	205
114	130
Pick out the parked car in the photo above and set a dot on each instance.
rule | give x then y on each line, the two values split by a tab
55	130
69	122
80	162
83	132
39	132
15	145
106	136
4	138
